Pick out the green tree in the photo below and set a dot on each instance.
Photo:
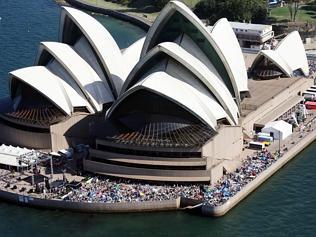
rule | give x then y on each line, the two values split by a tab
160	3
293	6
233	10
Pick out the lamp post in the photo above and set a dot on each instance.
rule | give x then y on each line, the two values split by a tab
279	143
51	168
32	170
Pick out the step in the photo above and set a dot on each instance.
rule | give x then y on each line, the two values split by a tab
147	160
147	174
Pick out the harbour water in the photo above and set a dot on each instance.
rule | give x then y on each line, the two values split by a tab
283	206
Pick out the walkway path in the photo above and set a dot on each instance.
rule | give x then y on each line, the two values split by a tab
147	18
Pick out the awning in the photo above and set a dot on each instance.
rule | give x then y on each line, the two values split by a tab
9	156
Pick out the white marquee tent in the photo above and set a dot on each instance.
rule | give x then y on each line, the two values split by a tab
278	129
9	156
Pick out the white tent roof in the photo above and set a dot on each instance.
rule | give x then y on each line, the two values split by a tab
92	86
279	125
102	42
9	155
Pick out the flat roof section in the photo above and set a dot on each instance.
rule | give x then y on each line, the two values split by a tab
281	109
250	26
262	91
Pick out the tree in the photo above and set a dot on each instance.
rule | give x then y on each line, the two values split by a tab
293	6
160	3
233	10
206	9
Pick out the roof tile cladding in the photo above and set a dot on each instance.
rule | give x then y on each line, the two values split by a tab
227	41
176	19
195	50
180	61
197	69
101	41
288	61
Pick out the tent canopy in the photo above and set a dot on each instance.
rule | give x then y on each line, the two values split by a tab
9	156
278	129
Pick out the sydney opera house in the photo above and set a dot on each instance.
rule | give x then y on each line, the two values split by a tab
176	105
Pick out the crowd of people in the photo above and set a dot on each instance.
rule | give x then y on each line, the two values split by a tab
101	189
232	183
312	68
105	190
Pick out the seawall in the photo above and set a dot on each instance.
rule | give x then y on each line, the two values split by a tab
138	21
148	206
169	205
217	211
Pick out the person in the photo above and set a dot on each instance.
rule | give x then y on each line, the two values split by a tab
64	178
44	192
37	188
47	184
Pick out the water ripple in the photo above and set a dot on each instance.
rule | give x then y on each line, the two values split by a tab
283	206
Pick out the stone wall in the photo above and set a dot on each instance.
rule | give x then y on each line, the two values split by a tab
18	137
168	205
261	178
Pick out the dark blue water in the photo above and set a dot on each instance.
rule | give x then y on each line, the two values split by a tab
24	23
284	206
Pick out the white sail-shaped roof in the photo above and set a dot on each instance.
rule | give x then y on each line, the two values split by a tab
46	83
131	55
165	28
274	57
288	56
292	50
101	41
202	73
180	92
76	96
86	78
84	50
201	93
226	40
